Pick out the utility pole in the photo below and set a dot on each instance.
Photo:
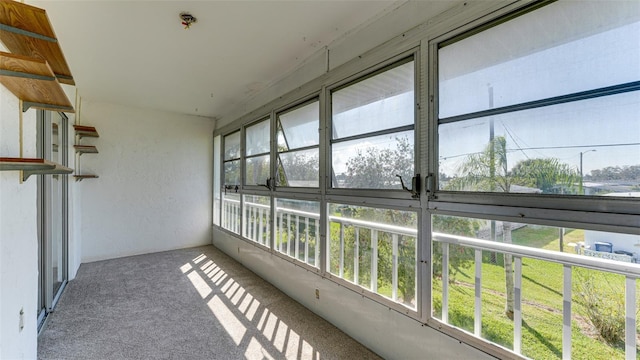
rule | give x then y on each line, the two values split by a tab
581	176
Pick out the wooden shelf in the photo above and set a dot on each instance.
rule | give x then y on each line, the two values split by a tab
86	131
26	30
31	166
85	176
32	81
85	149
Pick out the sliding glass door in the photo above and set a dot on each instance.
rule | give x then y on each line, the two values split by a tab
52	212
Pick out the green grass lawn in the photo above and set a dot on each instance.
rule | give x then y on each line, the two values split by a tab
541	301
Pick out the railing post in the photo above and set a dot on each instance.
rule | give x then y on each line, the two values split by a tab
280	233
246	213
394	268
356	256
630	318
317	247
566	313
236	224
445	282
477	321
223	220
517	306
297	245
306	240
289	234
341	269
374	261
261	228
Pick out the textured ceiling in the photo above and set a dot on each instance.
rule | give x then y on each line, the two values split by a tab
137	53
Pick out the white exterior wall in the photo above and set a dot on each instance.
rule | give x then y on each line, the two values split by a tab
154	187
18	235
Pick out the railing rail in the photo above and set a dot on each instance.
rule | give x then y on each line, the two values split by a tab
568	261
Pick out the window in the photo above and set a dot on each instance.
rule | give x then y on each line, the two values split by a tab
257	169
553	114
297	230
230	197
373	130
298	141
216	180
551	120
257	218
376	249
539	280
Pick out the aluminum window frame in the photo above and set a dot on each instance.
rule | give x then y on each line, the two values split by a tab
404	57
245	157
297	104
586	212
589	206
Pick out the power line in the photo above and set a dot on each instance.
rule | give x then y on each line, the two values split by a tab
547	148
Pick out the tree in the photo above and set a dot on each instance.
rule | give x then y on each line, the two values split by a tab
548	175
489	171
297	166
376	168
460	257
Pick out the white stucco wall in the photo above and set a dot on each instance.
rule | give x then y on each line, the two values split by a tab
18	236
154	187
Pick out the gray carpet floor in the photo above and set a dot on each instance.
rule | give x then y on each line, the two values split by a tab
193	303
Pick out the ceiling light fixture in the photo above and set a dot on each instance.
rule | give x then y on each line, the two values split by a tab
187	19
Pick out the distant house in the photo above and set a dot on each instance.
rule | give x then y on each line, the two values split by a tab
619	242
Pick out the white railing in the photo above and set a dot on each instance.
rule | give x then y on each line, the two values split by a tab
303	244
257	223
396	232
568	261
231	214
287	237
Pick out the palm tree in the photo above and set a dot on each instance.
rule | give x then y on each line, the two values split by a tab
489	171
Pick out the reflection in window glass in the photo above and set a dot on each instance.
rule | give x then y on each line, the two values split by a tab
257	138
505	65
297	230
384	101
232	146
298	139
256	218
597	294
375	249
373	130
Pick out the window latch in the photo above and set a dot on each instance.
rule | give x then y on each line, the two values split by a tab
230	187
269	184
415	186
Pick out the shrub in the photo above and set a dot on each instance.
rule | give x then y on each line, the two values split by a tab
603	303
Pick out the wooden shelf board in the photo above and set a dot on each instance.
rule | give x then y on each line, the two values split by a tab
86	149
32	166
32	81
86	131
26	30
